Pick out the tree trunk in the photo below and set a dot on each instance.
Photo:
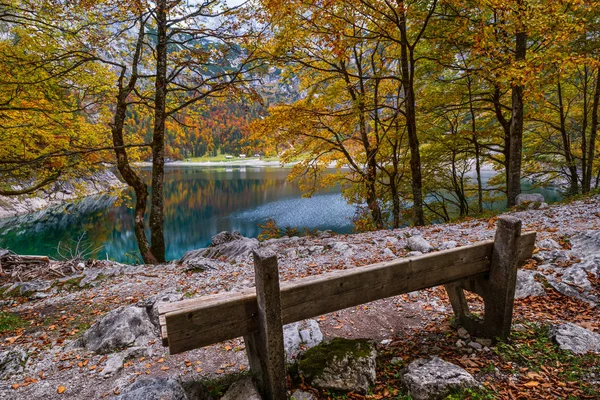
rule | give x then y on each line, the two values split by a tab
573	175
128	174
407	66
593	134
516	129
158	139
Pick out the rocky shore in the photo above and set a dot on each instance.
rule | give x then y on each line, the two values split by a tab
59	193
93	333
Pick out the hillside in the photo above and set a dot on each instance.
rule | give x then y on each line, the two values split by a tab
42	317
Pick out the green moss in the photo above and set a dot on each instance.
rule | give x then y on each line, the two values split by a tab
10	322
316	359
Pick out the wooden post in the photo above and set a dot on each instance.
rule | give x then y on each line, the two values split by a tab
497	289
265	347
500	296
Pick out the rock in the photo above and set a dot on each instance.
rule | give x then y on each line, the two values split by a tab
463	333
154	389
447	245
586	243
302	395
435	378
114	364
414	254
388	253
225	237
418	243
12	362
574	338
574	282
525	198
543	206
484	342
153	302
385	342
460	344
396	361
527	285
475	346
341	364
120	328
224	244
548	244
301	334
243	389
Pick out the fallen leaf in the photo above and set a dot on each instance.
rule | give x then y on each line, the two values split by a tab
61	389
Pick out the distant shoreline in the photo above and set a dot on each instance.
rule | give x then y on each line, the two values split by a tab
251	162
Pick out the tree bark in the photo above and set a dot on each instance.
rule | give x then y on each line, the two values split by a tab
407	66
158	139
516	128
573	175
128	174
593	134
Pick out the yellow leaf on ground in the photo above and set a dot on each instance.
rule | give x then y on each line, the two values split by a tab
61	389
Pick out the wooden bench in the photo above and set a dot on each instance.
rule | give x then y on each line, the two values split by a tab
258	314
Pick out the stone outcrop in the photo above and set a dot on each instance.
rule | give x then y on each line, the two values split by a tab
228	245
434	378
155	389
119	329
527	285
341	364
243	389
12	362
301	335
526	198
574	338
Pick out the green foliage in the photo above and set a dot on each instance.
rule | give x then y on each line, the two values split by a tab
10	322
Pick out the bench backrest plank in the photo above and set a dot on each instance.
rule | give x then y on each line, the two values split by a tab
203	321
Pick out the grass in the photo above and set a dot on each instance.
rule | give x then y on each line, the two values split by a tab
10	322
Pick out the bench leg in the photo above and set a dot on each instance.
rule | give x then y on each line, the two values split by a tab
265	347
497	289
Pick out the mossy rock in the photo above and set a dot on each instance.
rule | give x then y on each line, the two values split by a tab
340	365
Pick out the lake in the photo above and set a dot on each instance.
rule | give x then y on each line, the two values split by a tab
199	202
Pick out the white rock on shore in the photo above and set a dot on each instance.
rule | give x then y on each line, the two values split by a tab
58	193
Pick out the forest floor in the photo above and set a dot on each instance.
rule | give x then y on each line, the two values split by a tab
528	366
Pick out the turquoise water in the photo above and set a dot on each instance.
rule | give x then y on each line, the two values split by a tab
199	202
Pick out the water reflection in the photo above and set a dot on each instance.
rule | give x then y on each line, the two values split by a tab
199	202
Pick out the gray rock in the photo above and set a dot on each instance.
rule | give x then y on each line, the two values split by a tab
448	245
302	395
120	328
153	302
113	365
475	346
484	342
418	243
388	253
548	244
243	389
305	334
155	389
193	261
586	243
12	362
574	338
574	282
543	206
463	333
435	378
225	244
527	285
525	198
342	364
414	254
34	286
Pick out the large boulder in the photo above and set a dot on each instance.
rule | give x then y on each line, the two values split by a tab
526	198
341	364
574	338
243	389
298	335
119	329
12	362
435	378
418	243
574	282
527	285
229	245
152	304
